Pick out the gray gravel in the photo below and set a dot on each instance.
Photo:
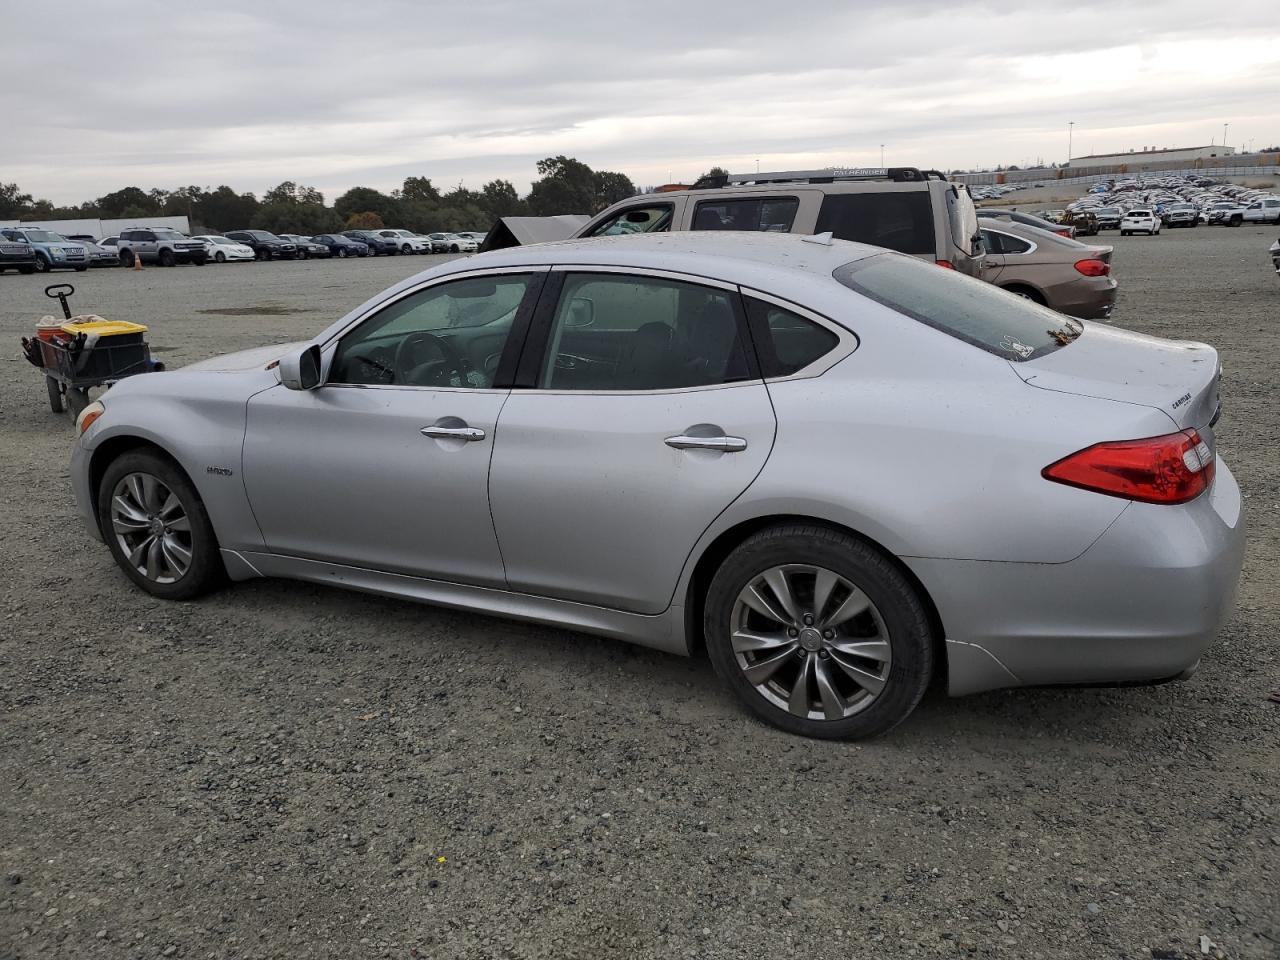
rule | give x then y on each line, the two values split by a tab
284	770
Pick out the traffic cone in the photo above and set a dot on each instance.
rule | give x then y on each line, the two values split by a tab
137	262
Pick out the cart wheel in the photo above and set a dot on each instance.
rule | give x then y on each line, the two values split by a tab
55	394
77	400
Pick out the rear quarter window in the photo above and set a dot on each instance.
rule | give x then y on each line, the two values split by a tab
969	310
901	221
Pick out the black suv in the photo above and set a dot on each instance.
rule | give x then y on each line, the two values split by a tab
265	244
376	244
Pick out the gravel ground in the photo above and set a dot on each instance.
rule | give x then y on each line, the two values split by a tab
285	770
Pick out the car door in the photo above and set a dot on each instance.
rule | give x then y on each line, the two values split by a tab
385	466
993	260
639	416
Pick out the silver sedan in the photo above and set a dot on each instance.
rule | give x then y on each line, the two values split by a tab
840	471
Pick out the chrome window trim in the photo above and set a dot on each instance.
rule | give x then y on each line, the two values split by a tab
847	344
656	272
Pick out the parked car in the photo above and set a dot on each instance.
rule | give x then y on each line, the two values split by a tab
265	245
1083	223
1027	220
1274	250
159	245
221	249
340	246
1140	220
457	243
439	242
52	251
376	244
1261	210
1064	275
476	235
987	448
406	242
917	212
99	256
16	255
307	248
1108	218
1181	215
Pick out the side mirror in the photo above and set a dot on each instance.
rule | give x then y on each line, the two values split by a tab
301	371
582	312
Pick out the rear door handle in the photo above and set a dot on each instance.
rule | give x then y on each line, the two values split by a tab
453	433
723	444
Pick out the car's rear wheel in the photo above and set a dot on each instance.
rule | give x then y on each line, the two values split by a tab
818	633
157	527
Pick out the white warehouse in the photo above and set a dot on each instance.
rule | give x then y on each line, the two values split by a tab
1151	154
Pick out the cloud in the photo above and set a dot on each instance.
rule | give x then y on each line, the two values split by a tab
338	94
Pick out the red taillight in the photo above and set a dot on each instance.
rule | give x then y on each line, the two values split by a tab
1093	268
1174	468
1063	233
946	264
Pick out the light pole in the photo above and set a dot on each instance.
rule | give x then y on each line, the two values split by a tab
1071	129
1224	133
882	154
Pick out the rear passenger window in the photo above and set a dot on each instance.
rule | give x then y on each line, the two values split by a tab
898	221
786	341
995	242
618	332
763	214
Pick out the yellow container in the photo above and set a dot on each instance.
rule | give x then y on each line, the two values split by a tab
104	328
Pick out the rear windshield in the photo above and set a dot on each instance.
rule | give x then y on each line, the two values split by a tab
899	221
970	310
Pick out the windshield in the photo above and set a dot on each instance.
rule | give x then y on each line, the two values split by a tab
970	310
42	236
171	235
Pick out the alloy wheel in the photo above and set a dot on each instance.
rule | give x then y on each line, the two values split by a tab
810	642
151	527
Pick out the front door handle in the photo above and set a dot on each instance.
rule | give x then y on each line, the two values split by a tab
453	433
723	444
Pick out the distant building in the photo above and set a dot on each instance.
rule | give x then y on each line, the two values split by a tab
1151	154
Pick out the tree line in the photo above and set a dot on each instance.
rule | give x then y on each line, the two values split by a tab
565	185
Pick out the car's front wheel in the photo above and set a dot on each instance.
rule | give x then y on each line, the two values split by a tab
157	527
220	257
818	633
42	263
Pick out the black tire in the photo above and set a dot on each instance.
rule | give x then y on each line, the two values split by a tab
1027	293
910	633
219	257
205	570
342	253
55	394
42	264
126	258
199	261
264	254
406	250
454	249
1236	221
167	259
81	269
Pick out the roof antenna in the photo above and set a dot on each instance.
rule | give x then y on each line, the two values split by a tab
822	238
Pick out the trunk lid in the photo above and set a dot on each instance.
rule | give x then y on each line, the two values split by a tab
1178	377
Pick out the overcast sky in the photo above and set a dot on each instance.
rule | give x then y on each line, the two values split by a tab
366	92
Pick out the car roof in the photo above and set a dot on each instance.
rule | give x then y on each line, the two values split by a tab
737	256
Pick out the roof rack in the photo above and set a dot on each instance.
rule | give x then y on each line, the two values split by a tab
894	174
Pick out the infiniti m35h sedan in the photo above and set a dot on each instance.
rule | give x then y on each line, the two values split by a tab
841	471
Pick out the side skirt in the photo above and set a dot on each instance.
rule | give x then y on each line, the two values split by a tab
663	631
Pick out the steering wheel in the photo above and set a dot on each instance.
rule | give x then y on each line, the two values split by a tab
410	350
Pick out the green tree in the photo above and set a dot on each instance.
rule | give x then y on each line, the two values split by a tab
224	209
290	192
364	221
129	202
567	186
13	201
498	198
611	187
307	219
368	200
420	190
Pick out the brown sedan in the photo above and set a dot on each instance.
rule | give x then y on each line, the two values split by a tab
1064	275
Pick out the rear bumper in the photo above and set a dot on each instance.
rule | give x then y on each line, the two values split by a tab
1089	298
1140	605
